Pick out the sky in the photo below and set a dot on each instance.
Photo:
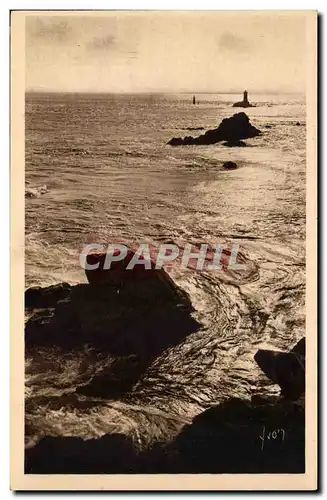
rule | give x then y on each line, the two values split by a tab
162	51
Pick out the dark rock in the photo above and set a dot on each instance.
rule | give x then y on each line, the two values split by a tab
120	378
118	275
123	323
287	369
240	437
299	348
231	129
38	297
135	325
268	126
230	165
194	128
236	144
235	437
243	104
110	454
176	141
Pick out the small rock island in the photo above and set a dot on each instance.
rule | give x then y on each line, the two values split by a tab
232	130
245	103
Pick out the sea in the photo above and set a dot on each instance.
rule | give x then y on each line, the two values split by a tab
111	177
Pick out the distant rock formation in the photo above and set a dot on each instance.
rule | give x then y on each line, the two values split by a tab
287	369
245	103
231	129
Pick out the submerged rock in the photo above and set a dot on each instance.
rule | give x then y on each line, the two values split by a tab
287	369
243	104
231	129
235	144
35	192
230	165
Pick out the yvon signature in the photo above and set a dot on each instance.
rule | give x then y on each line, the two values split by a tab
274	435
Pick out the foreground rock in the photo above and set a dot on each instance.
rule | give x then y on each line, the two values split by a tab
234	437
112	453
243	104
287	369
232	130
123	323
134	315
242	437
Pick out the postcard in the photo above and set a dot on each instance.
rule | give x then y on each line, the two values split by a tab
164	250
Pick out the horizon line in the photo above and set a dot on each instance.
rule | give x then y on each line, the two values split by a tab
201	92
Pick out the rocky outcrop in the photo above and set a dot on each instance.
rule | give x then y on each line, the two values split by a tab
287	369
245	103
123	323
143	278
126	315
232	130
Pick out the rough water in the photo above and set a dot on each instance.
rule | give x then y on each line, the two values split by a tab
111	177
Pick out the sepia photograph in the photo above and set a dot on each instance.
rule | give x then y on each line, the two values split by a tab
164	249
